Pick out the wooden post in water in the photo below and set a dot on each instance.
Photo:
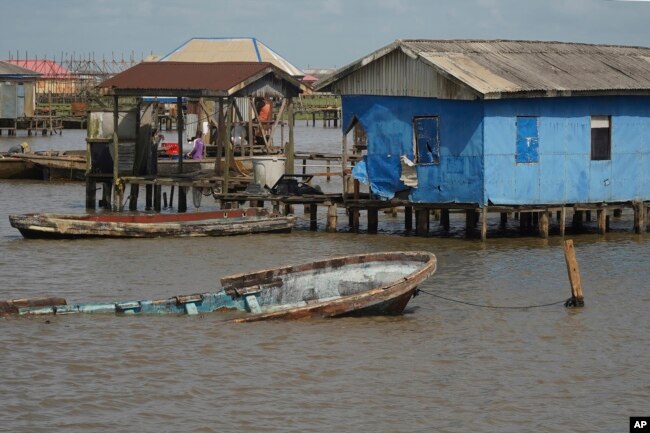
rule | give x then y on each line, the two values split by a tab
422	222
148	196
408	218
484	213
638	216
91	193
562	221
182	199
116	155
157	194
602	221
444	219
133	196
373	219
543	224
313	218
331	217
576	299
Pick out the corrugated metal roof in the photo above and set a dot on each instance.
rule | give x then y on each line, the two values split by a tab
500	68
47	68
195	79
8	69
230	50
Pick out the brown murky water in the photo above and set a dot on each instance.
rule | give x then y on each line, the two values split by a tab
443	366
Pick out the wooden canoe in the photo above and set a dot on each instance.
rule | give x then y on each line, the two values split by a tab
141	225
356	285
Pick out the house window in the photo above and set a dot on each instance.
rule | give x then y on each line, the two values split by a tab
427	142
527	151
601	138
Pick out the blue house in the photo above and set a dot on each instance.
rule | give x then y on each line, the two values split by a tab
501	123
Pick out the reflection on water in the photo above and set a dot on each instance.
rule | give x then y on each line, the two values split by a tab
441	367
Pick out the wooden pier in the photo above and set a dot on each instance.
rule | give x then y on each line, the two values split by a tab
32	125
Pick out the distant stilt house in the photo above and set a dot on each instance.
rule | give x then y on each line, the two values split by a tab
501	123
17	95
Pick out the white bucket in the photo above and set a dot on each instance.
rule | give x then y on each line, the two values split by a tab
268	169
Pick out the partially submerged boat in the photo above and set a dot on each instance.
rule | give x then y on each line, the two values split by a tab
145	225
356	285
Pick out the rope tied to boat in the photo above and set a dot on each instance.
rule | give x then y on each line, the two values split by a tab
502	307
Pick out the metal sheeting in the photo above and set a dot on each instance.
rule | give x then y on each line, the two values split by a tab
230	50
199	79
496	68
397	74
9	70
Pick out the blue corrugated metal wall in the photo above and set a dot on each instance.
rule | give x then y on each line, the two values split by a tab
565	172
388	122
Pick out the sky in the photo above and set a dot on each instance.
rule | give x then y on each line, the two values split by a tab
309	34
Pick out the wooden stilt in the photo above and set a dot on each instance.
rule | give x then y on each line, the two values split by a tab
331	218
164	195
577	298
171	196
504	220
182	199
148	197
484	218
543	224
444	219
602	221
157	194
647	215
313	218
638	216
422	222
408	218
470	218
562	221
373	219
91	193
133	197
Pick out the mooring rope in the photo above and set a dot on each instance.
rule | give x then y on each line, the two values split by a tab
489	306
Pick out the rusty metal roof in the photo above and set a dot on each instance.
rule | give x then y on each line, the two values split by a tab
504	68
191	79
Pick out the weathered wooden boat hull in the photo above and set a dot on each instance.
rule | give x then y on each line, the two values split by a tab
16	168
217	223
358	285
367	285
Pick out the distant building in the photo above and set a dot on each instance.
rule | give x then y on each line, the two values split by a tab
53	78
230	50
491	122
17	91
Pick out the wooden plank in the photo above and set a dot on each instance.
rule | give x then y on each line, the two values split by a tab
577	298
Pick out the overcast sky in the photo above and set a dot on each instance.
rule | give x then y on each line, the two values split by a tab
324	33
